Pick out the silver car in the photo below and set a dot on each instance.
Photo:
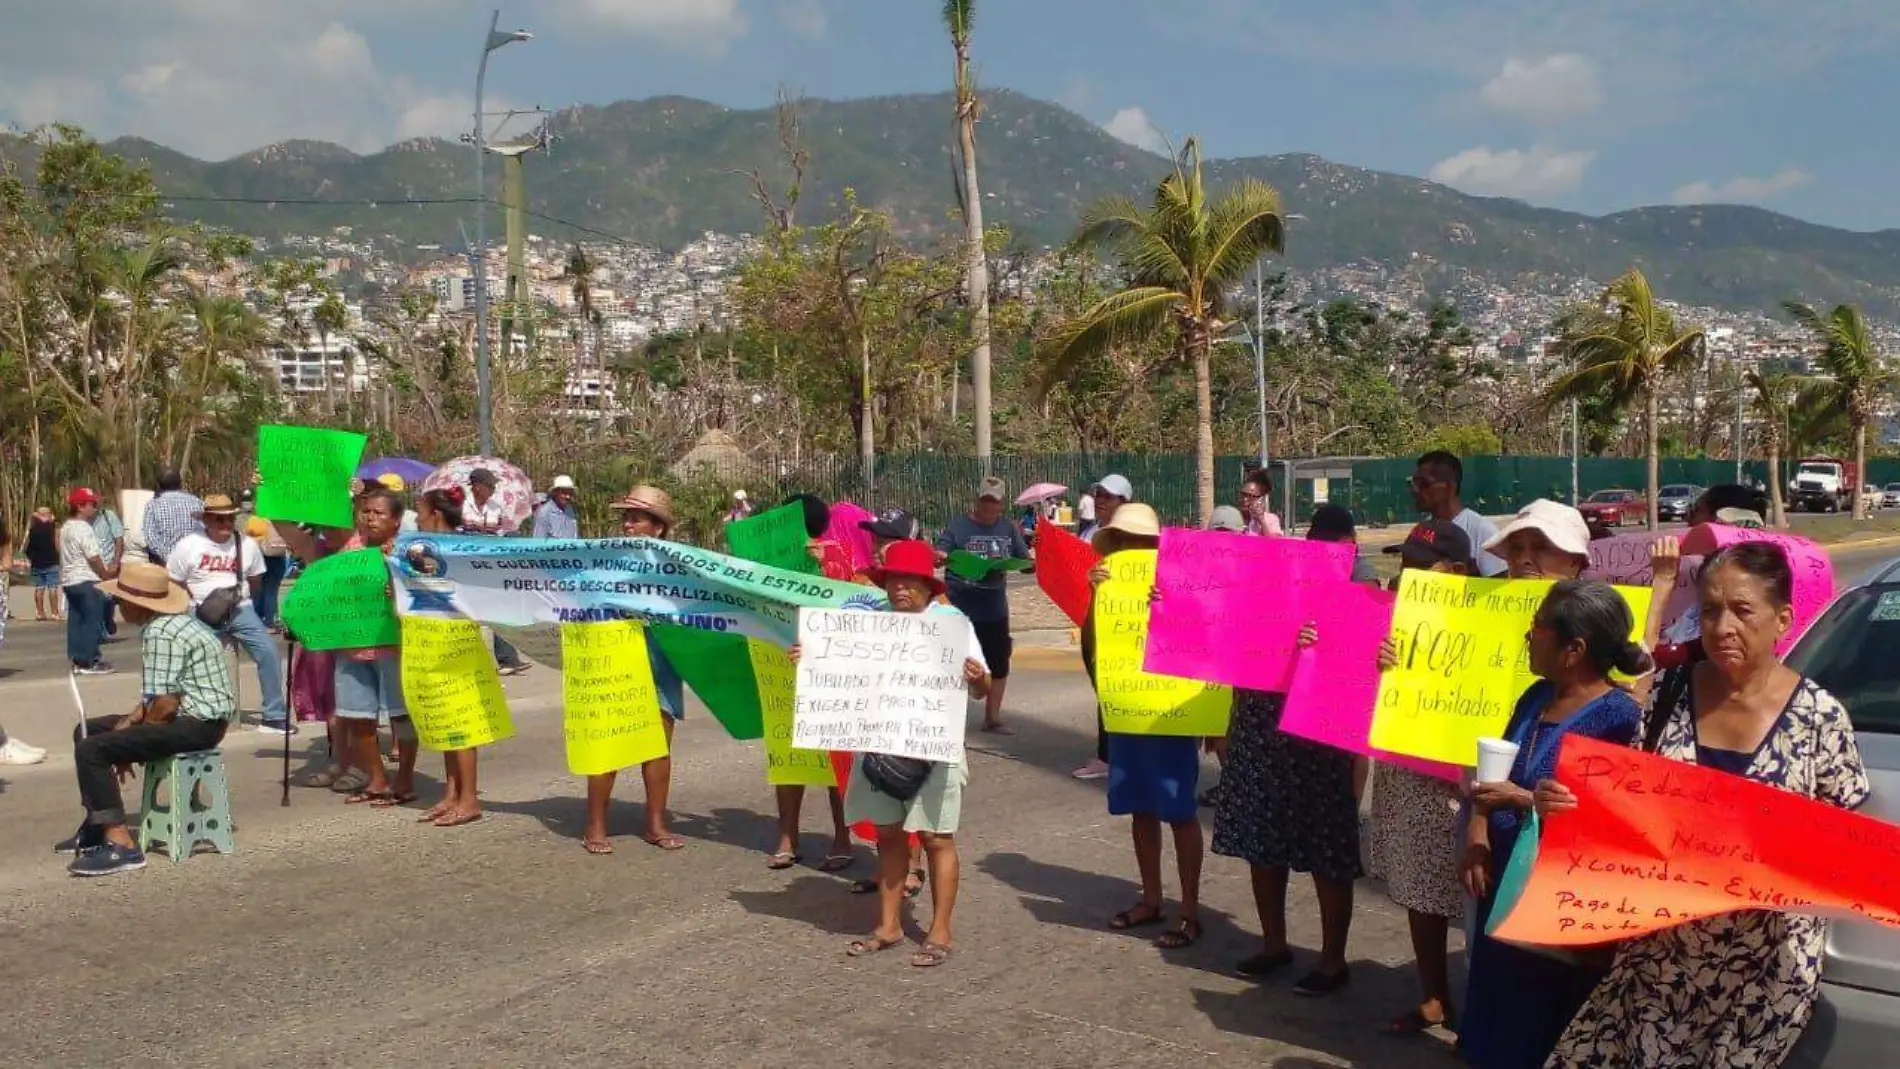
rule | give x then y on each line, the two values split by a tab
1850	651
1890	496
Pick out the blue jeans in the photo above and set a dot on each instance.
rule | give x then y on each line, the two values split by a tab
85	622
250	633
267	587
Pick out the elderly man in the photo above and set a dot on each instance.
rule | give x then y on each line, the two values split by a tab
190	699
986	532
169	516
484	513
223	559
556	517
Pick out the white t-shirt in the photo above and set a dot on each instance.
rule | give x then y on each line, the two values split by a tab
1480	531
204	566
1085	509
77	543
484	518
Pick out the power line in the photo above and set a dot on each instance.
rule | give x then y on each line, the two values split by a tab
366	202
544	217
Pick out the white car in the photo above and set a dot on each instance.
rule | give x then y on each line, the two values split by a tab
1890	497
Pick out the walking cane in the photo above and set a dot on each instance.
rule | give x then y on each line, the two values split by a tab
290	708
79	703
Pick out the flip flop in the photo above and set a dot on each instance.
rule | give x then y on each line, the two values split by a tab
372	797
430	815
864	948
597	847
1181	936
668	842
392	800
350	782
1264	964
456	820
912	890
999	729
835	863
325	778
1137	917
778	862
1412	1022
930	956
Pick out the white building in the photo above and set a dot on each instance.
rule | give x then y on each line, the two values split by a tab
301	371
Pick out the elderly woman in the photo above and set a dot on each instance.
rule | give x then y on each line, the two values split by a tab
1735	990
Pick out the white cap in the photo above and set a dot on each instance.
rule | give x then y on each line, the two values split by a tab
1227	518
738	495
1562	525
561	482
1114	486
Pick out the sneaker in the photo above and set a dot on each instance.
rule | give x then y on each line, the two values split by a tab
86	838
1095	769
107	860
276	727
96	668
15	752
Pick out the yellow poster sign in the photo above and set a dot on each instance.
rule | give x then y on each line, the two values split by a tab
612	706
1463	662
1135	702
785	765
451	686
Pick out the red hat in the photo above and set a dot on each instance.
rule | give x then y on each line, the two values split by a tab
81	497
909	558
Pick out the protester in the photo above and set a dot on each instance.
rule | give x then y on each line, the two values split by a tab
1414	817
190	702
1151	778
1256	504
12	750
81	567
987	532
1729	505
889	527
1436	483
110	530
169	516
440	512
209	562
645	512
482	514
1334	523
276	554
909	578
834	560
1100	503
741	508
1291	805
1227	519
42	557
1736	989
394	483
1545	540
557	518
1518	1001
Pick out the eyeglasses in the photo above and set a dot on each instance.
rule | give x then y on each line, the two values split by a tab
1425	482
1251	495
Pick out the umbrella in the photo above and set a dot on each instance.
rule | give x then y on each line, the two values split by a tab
1040	492
512	487
407	470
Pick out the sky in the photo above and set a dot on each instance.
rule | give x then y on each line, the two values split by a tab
1591	106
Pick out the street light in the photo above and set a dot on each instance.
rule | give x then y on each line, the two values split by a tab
484	413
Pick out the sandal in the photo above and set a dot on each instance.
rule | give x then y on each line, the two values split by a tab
597	847
999	728
1139	917
864	887
391	800
864	948
1316	984
1413	1021
914	883
350	781
1264	964
668	842
1181	936
835	863
325	778
779	862
456	819
930	955
381	799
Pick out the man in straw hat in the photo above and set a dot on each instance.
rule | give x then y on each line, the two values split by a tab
190	699
223	559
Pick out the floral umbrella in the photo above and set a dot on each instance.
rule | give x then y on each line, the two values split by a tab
512	487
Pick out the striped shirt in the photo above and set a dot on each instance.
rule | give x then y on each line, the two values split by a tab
168	518
184	657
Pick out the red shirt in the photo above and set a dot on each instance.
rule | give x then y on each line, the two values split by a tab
835	561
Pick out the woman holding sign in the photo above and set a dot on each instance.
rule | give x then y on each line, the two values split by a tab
1518	1002
439	511
1736	989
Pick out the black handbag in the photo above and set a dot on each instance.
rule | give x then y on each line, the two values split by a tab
899	777
220	607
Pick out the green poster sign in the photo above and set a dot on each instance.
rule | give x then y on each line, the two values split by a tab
304	474
775	538
342	602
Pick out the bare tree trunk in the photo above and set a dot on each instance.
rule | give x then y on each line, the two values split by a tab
977	281
1203	427
1778	512
1649	421
1860	464
867	441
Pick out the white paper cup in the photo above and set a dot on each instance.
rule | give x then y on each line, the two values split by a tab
1495	757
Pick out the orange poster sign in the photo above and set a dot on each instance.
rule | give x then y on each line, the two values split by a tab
1654	843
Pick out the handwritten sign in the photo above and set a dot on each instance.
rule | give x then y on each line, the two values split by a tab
967	565
775	537
1135	701
1232	607
1625	561
342	603
1463	661
1813	569
304	474
785	765
1334	683
1654	843
611	708
451	686
882	682
1062	570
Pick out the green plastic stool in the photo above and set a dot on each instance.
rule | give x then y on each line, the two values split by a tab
187	820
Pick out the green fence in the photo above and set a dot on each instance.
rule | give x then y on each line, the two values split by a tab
1499	485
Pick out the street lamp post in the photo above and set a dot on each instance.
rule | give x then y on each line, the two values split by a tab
484	413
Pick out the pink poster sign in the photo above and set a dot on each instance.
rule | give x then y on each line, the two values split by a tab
1813	570
1230	607
1334	683
1625	561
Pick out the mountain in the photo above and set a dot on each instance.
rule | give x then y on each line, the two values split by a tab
661	171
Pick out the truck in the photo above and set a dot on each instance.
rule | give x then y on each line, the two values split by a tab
1823	484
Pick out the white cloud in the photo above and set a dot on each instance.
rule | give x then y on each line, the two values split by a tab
1744	189
1539	171
807	18
707	25
1546	91
1133	126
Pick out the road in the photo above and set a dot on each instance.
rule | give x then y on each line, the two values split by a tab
337	935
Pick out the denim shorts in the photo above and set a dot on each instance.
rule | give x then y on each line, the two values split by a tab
46	578
369	690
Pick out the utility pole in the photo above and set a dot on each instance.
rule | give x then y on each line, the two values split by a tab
484	402
1575	452
1738	432
1260	354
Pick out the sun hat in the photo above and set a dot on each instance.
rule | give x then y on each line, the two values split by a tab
1227	518
909	558
1133	518
738	495
218	505
991	489
562	482
651	500
1114	486
1561	525
148	586
1432	541
894	524
81	497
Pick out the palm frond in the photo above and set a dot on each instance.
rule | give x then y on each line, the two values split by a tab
1117	319
960	17
1245	224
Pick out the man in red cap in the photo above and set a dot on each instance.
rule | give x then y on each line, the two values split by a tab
81	568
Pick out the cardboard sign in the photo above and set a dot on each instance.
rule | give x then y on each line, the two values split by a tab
1813	569
451	686
1134	700
342	603
882	682
304	474
1062	570
610	705
775	537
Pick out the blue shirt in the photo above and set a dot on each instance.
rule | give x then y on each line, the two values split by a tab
168	518
553	521
983	600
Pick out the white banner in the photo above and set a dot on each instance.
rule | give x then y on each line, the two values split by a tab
882	682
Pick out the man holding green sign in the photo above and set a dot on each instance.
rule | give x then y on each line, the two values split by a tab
980	550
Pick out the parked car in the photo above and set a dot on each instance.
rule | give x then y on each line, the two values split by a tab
1614	508
1674	501
1890	497
1849	651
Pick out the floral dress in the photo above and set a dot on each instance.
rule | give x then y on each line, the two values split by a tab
1414	829
1285	802
1737	990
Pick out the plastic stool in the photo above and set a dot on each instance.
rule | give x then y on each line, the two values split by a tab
184	821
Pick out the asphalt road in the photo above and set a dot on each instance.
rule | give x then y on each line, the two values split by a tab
341	936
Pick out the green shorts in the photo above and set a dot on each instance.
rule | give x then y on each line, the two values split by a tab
935	810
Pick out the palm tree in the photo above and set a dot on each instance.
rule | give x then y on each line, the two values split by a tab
1853	375
959	16
1771	394
330	317
580	276
1626	343
1181	258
